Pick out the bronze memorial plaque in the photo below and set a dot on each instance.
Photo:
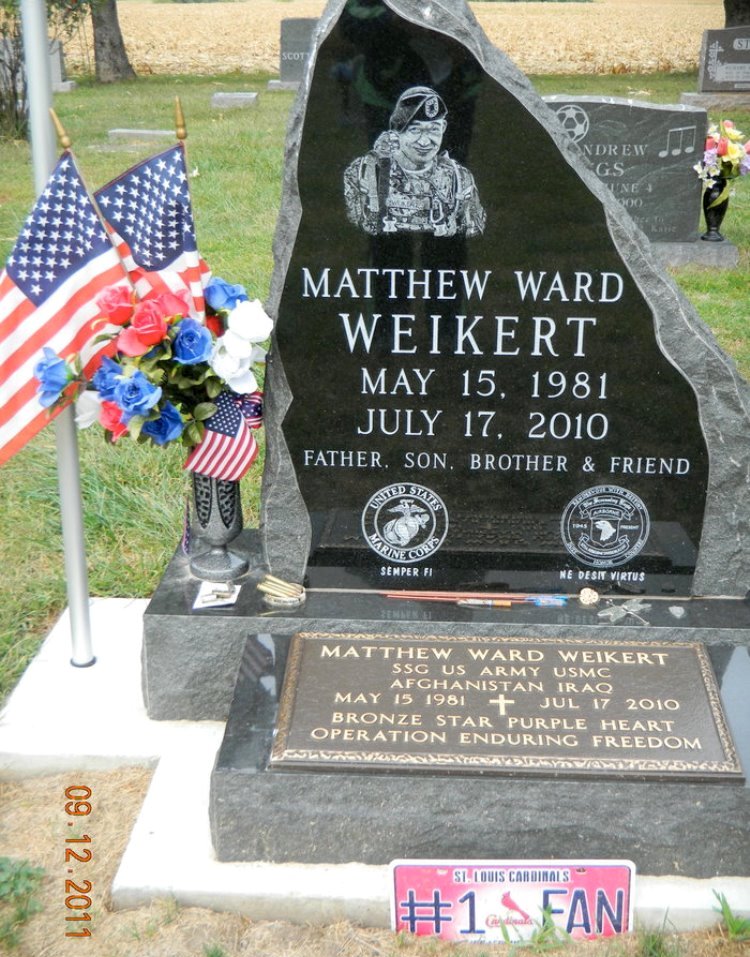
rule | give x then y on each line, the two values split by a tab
503	706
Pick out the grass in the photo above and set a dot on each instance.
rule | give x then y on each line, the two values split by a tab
133	499
19	882
546	936
656	943
737	929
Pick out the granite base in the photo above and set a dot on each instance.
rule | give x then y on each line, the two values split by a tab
192	661
191	657
699	253
686	829
717	101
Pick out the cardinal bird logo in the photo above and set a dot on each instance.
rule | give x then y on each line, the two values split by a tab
507	901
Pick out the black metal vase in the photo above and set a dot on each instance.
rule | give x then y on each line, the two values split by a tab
216	520
714	214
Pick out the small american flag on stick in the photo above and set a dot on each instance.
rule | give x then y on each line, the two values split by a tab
228	448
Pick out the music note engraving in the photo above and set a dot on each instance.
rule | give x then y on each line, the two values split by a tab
680	139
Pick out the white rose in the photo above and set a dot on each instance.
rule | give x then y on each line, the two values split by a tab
234	370
248	321
87	407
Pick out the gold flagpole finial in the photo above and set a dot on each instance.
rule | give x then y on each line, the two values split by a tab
65	140
179	120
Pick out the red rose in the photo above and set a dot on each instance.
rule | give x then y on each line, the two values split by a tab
147	328
215	325
110	415
711	143
170	303
116	303
721	149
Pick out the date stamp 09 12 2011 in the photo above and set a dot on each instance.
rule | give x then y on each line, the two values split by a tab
77	892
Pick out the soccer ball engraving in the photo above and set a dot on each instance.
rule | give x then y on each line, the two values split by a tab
574	121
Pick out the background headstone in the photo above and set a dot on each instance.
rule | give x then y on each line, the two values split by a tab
724	76
725	61
296	44
11	63
645	154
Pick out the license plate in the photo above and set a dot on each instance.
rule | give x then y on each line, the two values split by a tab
502	901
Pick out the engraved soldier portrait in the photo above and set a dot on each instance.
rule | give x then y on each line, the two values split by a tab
405	183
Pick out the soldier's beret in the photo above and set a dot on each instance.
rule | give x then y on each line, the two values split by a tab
417	103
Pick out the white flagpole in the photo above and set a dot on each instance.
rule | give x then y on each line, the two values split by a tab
44	156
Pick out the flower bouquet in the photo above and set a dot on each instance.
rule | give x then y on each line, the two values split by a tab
166	377
726	156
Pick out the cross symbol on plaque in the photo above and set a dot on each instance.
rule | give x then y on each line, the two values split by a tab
501	701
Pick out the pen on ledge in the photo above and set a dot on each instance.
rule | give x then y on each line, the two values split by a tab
496	600
485	602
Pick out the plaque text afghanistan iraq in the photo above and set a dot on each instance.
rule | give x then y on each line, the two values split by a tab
502	705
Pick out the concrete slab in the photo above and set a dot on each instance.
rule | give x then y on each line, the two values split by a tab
170	853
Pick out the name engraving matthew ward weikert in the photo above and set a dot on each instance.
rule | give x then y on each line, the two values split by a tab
503	705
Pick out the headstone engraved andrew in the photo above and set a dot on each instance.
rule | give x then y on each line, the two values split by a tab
645	154
464	343
488	705
725	61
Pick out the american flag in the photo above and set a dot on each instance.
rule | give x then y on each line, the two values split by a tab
148	210
62	260
228	448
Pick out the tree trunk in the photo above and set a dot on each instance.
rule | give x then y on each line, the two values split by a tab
736	13
110	59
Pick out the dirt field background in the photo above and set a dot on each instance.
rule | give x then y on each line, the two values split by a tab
604	36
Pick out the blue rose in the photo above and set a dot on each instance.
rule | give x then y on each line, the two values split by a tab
53	375
106	378
136	395
167	427
220	294
193	343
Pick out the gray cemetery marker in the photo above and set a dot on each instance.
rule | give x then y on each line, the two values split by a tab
725	61
296	41
724	77
480	380
644	153
58	76
233	101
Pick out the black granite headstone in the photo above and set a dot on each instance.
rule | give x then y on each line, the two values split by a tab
489	382
645	154
725	61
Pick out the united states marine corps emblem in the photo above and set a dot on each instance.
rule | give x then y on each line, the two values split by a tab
605	526
405	523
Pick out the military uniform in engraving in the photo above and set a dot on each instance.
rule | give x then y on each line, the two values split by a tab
405	184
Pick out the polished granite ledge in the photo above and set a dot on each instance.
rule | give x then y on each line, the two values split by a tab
191	658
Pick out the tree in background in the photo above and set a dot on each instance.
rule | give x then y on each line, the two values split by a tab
63	18
736	13
110	58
